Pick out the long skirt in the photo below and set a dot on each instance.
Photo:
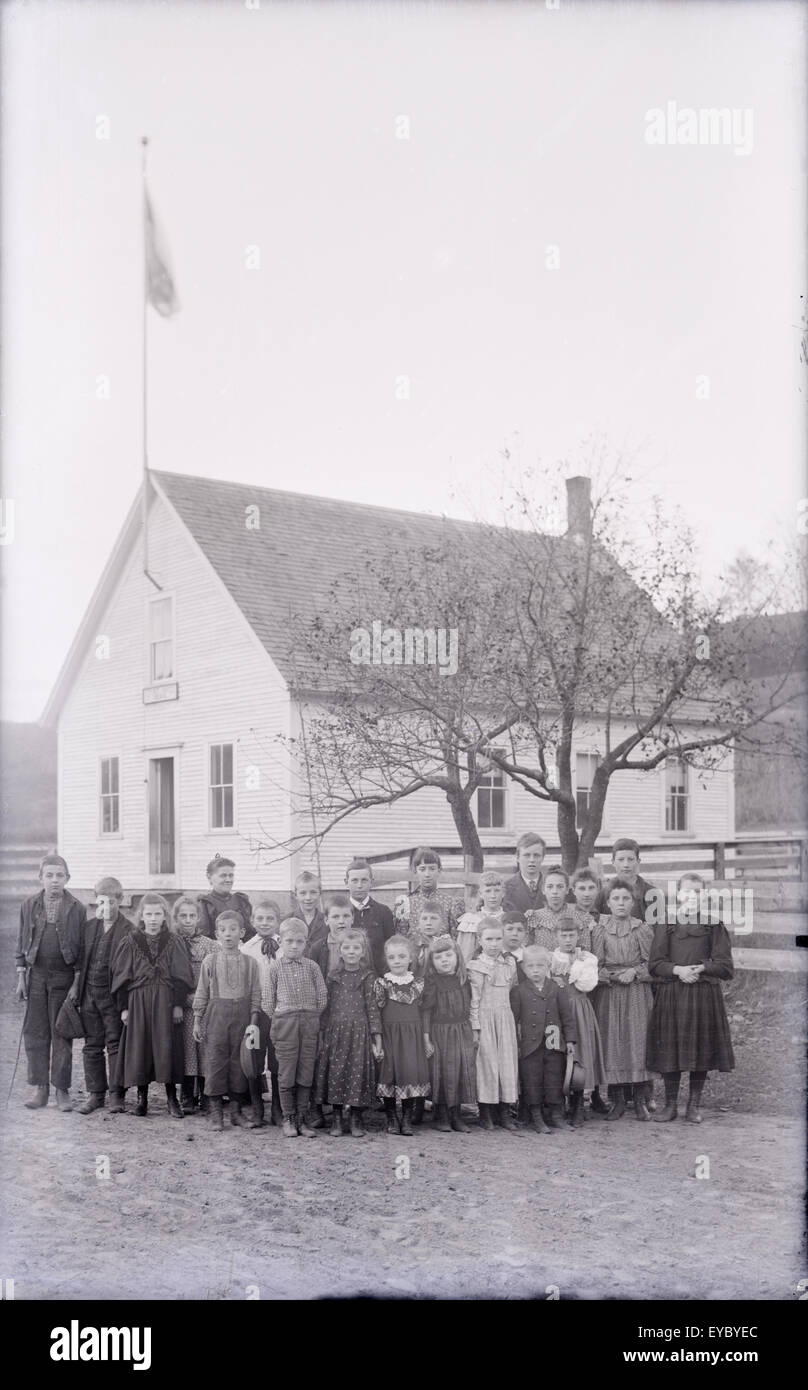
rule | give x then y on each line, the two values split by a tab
589	1047
404	1071
345	1068
688	1028
622	1013
497	1056
191	1048
452	1065
151	1047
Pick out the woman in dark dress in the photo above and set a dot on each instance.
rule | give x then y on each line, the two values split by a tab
151	979
688	1028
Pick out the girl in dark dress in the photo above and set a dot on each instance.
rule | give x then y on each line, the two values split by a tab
404	1073
688	1028
351	1029
151	978
448	1039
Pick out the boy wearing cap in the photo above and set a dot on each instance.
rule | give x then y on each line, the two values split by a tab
221	898
99	1011
49	946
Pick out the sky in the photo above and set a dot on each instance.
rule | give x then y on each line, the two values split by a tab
358	200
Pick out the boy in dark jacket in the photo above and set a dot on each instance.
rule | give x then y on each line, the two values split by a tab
370	916
49	944
99	1011
545	1025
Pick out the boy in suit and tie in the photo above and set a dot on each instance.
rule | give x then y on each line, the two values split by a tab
524	892
370	916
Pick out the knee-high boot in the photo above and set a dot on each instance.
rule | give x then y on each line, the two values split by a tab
693	1112
671	1108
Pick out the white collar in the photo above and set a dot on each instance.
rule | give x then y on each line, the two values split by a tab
406	979
366	903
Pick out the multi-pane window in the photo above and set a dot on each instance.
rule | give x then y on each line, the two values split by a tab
161	639
221	786
586	765
491	801
676	795
110	796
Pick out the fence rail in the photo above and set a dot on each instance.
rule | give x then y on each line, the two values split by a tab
744	858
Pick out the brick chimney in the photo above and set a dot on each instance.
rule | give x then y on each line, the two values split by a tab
579	506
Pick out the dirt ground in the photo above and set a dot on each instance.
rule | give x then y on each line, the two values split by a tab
610	1211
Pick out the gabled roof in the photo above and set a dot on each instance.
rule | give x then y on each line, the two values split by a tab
283	568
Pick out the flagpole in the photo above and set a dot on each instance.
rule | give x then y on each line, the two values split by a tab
145	483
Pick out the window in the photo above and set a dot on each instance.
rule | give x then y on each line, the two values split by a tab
110	797
491	801
220	795
586	765
676	795
161	639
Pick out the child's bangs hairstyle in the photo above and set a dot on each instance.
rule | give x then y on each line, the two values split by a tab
153	900
352	934
424	855
488	924
585	876
293	924
269	905
307	876
439	946
184	901
398	940
491	879
618	882
537	953
509	918
224	917
108	888
557	872
625	844
219	862
690	878
432	909
340	900
530	838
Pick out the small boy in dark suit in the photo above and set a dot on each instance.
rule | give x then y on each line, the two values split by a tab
545	1025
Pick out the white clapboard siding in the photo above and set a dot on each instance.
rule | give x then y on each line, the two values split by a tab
229	690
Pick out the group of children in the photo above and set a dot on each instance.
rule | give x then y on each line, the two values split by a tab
533	990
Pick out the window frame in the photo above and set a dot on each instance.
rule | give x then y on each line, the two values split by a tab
101	794
504	828
685	797
586	753
209	746
165	595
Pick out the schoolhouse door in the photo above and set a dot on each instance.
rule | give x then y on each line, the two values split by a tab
162	839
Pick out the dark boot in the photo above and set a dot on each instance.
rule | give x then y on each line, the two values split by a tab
317	1118
442	1119
303	1095
649	1096
358	1130
336	1122
216	1108
555	1117
693	1112
506	1118
63	1101
95	1101
537	1120
142	1107
276	1108
38	1099
456	1121
256	1119
418	1110
117	1101
671	1110
618	1103
237	1118
597	1103
204	1101
641	1102
486	1118
174	1108
390	1113
290	1127
405	1127
187	1095
576	1109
